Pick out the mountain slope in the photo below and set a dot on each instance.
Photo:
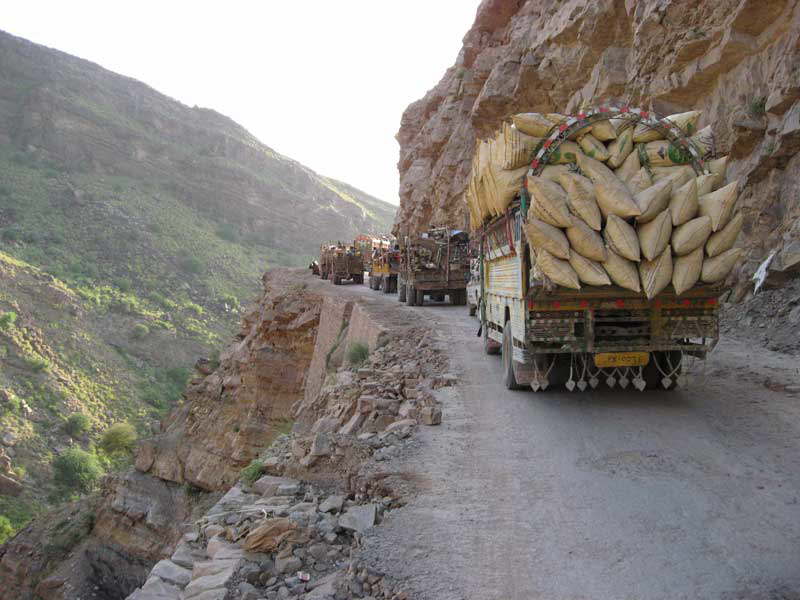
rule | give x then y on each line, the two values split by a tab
131	227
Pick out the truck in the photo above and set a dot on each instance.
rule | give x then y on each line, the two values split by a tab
347	263
434	264
549	335
326	259
384	265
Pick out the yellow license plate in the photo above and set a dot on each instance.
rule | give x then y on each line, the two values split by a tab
621	359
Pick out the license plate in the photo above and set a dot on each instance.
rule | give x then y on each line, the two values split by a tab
621	359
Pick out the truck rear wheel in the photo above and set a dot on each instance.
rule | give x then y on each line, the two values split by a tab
411	296
385	285
401	292
337	280
667	361
473	308
420	299
489	345
509	378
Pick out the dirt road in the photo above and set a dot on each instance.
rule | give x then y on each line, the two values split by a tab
611	494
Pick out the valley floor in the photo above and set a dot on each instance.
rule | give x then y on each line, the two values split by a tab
605	495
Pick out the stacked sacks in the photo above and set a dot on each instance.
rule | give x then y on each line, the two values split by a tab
616	203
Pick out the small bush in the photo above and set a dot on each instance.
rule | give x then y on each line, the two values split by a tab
77	424
228	232
758	106
118	439
192	264
77	470
357	353
37	364
230	300
140	331
194	308
6	529
7	320
252	472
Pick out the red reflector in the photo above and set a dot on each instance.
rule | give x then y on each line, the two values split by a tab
620	303
562	127
686	302
534	164
712	302
584	304
645	114
657	303
581	115
556	304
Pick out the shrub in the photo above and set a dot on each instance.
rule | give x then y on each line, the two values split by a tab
77	424
192	264
357	353
7	320
119	438
77	470
228	232
252	471
140	331
6	529
230	300
37	364
758	106
194	308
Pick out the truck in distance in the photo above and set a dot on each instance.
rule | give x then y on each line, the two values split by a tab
434	264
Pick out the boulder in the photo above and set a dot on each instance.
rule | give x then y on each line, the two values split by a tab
359	518
171	573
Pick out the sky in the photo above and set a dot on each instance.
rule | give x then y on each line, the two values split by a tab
324	82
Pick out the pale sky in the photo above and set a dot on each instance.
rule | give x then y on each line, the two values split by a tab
322	81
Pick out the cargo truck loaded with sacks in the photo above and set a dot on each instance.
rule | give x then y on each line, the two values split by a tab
606	240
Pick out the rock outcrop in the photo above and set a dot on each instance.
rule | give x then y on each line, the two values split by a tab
735	60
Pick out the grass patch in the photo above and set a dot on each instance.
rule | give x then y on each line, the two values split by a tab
7	320
252	472
357	353
758	106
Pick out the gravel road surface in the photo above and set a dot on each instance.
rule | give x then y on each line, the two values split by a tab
612	494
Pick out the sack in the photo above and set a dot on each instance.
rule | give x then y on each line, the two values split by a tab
725	238
581	199
517	147
549	202
613	196
622	238
718	169
654	200
507	184
640	181
662	153
718	267
588	271
705	184
679	175
686	121
604	130
559	271
691	235
591	146
554	172
557	119
630	167
656	274
534	124
704	141
654	235
683	203
622	272
544	235
686	270
567	152
719	205
585	241
620	148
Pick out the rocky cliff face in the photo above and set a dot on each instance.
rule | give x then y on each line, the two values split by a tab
735	60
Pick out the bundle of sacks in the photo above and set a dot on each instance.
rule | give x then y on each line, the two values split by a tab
616	204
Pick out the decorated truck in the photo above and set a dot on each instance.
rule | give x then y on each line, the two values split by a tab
603	258
347	263
434	264
326	259
384	265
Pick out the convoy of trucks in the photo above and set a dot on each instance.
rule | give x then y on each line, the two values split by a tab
576	323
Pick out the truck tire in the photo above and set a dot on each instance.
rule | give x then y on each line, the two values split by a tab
401	293
472	310
385	285
411	295
420	297
455	298
337	280
509	379
653	376
490	347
